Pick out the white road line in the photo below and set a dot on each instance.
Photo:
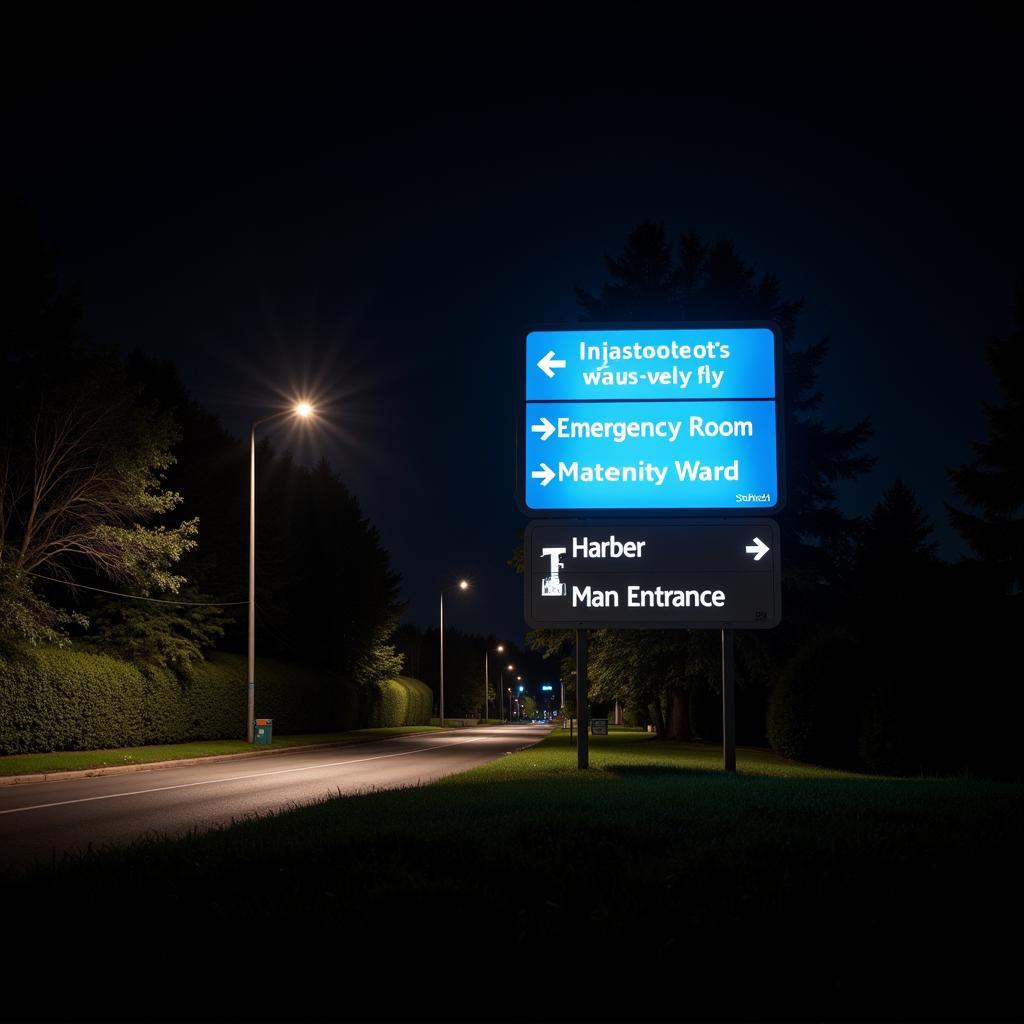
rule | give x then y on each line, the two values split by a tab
237	778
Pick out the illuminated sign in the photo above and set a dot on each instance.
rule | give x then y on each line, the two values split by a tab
650	574
682	418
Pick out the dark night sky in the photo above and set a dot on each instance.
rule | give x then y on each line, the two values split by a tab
374	213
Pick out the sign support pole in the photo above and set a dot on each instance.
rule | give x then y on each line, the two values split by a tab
728	703
582	708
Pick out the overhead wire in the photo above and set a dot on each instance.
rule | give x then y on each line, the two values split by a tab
135	597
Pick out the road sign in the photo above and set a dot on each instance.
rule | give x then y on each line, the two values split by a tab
599	726
683	418
652	574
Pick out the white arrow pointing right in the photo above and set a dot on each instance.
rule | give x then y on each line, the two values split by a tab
758	549
545	428
549	363
545	474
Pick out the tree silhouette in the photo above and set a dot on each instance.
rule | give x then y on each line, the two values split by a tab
83	460
993	482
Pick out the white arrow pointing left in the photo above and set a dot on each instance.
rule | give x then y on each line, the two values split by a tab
549	363
545	474
545	428
758	549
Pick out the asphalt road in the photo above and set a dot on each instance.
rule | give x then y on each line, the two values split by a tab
43	818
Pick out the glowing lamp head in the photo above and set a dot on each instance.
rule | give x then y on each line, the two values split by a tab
304	410
500	648
510	667
463	584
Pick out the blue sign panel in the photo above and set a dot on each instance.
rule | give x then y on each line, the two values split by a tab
651	455
589	365
683	418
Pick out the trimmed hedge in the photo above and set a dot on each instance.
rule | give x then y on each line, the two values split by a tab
53	699
403	701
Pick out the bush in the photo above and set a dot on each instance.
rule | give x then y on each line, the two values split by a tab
403	701
705	712
61	699
815	709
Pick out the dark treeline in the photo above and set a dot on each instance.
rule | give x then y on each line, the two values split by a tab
888	658
111	476
464	673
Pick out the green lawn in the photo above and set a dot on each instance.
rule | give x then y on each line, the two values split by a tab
653	886
75	760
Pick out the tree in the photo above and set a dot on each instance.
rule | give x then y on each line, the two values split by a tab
171	635
895	559
992	483
652	669
82	459
328	592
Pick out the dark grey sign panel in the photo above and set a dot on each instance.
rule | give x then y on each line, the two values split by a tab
599	727
652	574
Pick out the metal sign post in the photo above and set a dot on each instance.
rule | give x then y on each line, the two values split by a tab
728	703
582	710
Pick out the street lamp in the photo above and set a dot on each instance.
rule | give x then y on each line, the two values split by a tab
461	585
303	410
487	684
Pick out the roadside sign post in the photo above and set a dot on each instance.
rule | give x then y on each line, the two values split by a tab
582	709
728	704
653	421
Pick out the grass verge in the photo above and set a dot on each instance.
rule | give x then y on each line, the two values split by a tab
78	760
652	886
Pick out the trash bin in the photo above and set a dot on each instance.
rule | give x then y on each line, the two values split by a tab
264	732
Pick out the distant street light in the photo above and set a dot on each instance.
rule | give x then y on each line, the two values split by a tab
501	691
500	649
461	585
303	410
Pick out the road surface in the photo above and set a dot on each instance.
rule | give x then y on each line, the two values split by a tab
42	818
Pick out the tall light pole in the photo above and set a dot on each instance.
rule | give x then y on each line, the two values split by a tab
462	585
501	695
303	410
500	649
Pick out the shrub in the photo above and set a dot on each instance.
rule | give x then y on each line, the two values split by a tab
402	701
815	709
61	699
705	712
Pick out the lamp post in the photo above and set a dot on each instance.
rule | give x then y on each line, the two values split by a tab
462	585
303	410
487	682
501	694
